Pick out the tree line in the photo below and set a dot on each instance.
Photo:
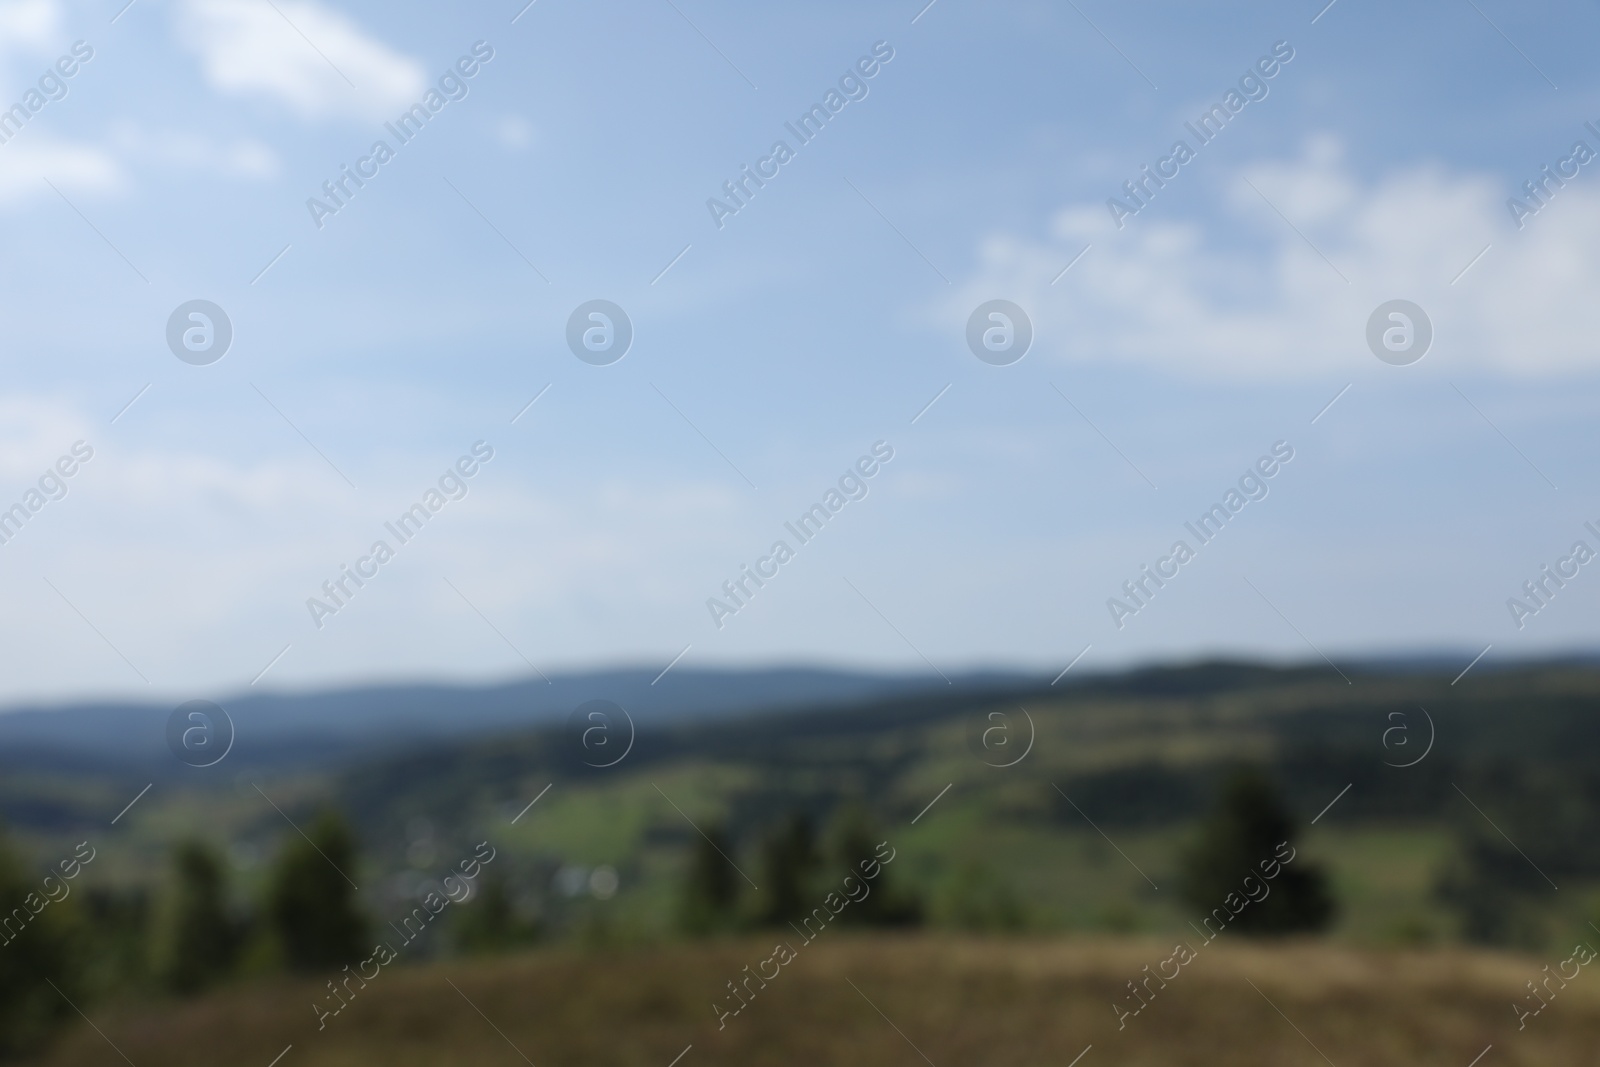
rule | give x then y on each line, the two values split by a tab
100	940
306	917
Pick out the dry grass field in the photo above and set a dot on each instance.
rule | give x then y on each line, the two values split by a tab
883	1000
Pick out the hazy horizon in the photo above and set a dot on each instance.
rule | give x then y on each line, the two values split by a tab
914	674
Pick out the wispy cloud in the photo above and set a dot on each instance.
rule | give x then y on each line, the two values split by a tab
1243	294
319	63
27	162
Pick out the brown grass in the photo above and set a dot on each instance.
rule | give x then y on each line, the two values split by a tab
958	1001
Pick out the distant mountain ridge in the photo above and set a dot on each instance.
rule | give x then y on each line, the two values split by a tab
319	728
327	726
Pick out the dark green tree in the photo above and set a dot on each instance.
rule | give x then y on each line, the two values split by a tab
788	862
488	921
38	946
117	921
711	890
200	942
854	842
1500	892
1489	895
1250	826
311	903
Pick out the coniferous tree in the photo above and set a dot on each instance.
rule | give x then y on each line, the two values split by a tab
856	840
200	942
1498	890
788	861
488	921
39	948
1248	834
118	922
711	890
311	904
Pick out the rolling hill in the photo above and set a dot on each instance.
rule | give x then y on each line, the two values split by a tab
897	1001
1440	809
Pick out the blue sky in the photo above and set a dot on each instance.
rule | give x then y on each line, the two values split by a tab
775	350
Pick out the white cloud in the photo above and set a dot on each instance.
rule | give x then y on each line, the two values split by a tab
26	163
300	53
197	564
28	28
33	430
514	132
1244	294
248	159
242	158
31	24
